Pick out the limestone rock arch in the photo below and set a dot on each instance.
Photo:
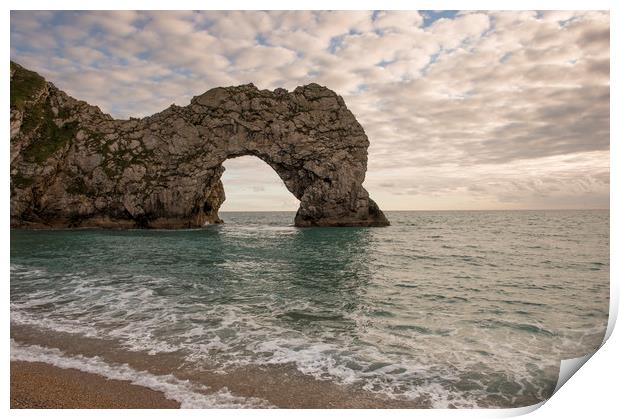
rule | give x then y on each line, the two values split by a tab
72	165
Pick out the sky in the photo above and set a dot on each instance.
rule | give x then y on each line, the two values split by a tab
463	110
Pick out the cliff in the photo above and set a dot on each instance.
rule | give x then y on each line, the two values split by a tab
74	166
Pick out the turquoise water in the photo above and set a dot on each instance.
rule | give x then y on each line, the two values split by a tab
459	308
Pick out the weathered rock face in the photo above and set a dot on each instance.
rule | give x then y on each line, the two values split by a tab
74	166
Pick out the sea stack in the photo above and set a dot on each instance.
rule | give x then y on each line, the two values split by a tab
74	166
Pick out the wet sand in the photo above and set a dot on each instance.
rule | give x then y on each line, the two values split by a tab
36	385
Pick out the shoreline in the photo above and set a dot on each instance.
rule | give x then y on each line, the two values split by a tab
38	385
60	358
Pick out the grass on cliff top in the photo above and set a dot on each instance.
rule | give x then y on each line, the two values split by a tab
38	119
24	85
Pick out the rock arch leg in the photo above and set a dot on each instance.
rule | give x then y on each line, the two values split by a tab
325	204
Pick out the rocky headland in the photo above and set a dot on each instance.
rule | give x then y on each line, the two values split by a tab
74	166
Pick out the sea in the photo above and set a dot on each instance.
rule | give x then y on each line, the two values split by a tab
442	309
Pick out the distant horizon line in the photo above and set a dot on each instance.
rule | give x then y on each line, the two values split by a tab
446	210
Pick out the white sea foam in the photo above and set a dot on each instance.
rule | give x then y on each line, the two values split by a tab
189	395
253	343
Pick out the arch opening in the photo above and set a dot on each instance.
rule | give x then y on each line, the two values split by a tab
251	185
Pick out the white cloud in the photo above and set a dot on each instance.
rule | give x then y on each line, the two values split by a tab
260	57
395	21
451	33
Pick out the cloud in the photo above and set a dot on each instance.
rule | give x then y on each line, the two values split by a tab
451	33
466	110
391	21
261	56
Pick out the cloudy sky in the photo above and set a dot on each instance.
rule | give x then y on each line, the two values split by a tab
464	110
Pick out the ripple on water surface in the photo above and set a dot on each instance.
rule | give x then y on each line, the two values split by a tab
444	308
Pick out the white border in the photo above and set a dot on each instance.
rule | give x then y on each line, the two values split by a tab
592	392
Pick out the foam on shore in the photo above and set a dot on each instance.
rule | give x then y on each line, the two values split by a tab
189	395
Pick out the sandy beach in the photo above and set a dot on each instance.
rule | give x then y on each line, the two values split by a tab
43	385
36	385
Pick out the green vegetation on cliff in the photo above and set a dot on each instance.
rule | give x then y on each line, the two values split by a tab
20	181
50	137
27	95
46	145
25	85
